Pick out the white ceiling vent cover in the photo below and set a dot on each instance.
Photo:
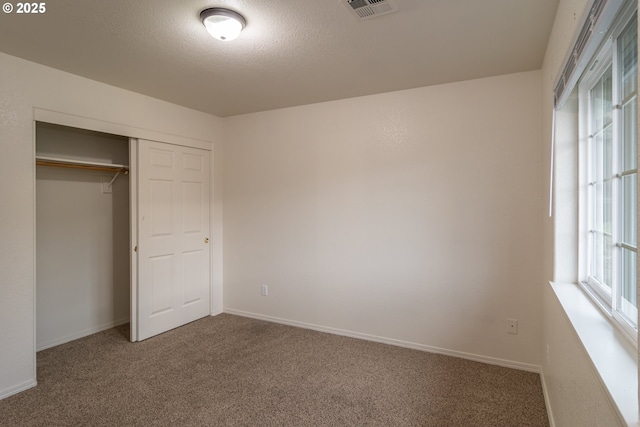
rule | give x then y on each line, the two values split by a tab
367	9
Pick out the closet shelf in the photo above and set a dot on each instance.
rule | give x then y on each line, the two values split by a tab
80	164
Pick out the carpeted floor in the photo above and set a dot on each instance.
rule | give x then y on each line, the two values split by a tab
233	371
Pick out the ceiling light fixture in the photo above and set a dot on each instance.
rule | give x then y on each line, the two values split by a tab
223	24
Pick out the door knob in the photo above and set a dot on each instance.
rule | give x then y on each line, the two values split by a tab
206	240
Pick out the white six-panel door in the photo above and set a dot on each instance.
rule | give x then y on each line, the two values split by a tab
173	237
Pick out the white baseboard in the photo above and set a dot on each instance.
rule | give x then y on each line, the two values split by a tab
17	389
415	346
216	311
547	400
80	334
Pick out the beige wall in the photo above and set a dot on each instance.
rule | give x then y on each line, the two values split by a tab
23	87
575	393
411	216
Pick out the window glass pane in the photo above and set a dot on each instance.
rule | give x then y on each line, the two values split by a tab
596	105
607	205
598	158
596	254
593	254
607	97
629	134
628	304
607	152
607	175
607	278
605	266
628	43
598	207
629	209
602	265
592	161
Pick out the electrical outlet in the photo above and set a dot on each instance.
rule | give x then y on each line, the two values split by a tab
265	290
512	326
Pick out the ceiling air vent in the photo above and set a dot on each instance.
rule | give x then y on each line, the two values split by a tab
367	9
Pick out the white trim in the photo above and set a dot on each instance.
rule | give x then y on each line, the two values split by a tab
547	400
17	389
71	120
34	287
613	358
391	341
133	239
81	334
552	161
215	295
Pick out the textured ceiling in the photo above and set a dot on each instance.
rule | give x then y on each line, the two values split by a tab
292	52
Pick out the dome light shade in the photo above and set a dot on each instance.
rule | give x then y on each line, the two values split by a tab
223	24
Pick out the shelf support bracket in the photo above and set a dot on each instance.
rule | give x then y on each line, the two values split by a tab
113	180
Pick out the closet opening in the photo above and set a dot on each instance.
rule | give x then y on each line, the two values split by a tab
83	270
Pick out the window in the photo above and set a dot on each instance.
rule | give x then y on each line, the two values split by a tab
608	121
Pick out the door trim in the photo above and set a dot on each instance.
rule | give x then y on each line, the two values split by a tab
57	118
133	239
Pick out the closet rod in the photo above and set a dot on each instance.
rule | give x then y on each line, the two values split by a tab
78	164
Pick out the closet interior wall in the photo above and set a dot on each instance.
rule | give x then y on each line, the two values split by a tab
82	236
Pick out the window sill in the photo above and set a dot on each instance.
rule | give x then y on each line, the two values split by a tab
613	356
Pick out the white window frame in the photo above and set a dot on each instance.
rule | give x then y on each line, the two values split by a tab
606	56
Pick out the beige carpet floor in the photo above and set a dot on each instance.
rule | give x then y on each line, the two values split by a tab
233	371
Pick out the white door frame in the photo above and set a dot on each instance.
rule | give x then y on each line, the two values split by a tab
133	238
71	120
